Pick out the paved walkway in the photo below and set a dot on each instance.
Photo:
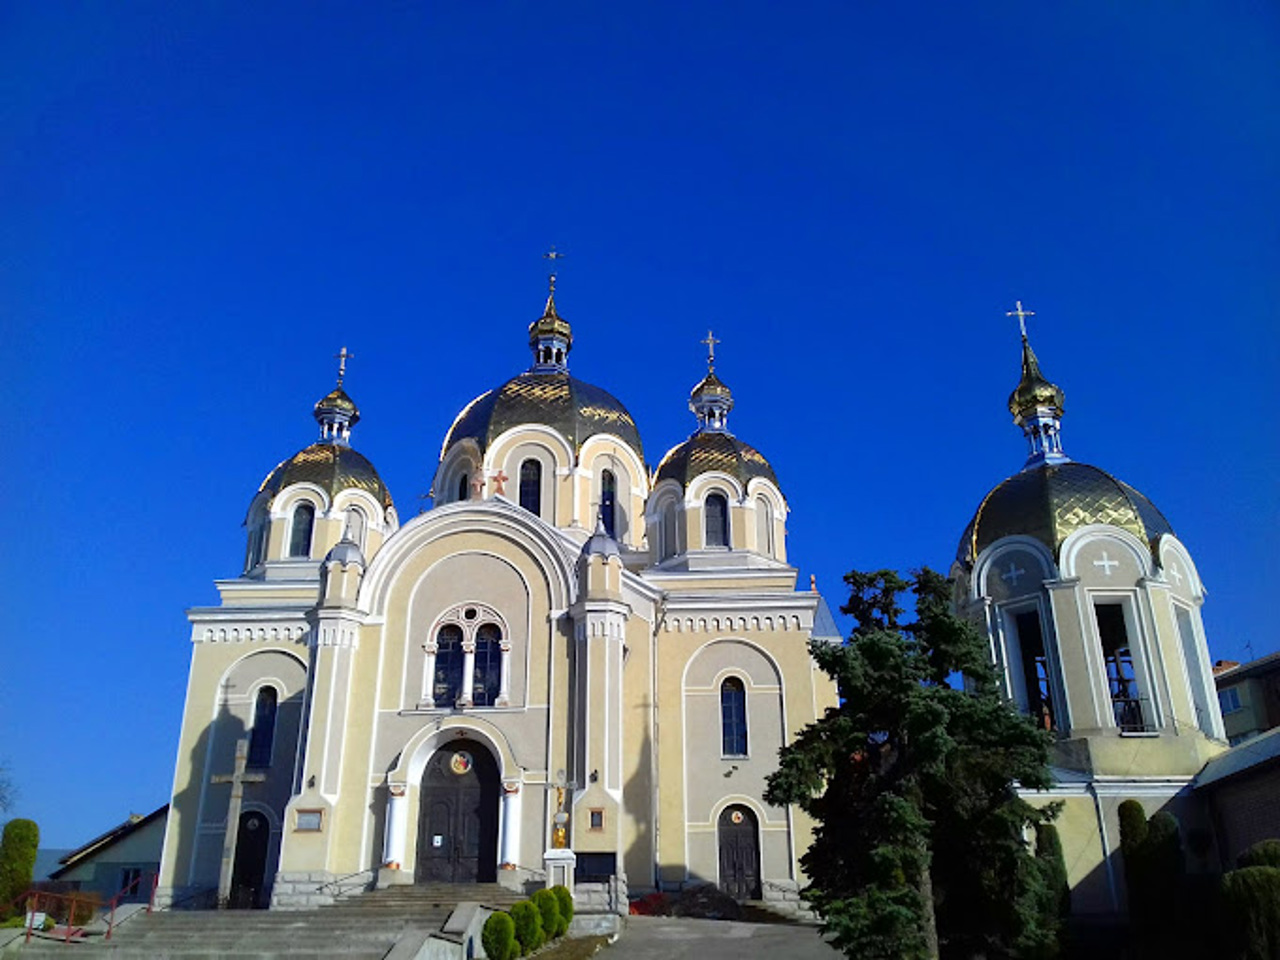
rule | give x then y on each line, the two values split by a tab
675	938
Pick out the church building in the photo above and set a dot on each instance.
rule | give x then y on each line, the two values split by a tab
1092	608
573	665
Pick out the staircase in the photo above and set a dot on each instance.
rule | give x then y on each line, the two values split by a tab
364	927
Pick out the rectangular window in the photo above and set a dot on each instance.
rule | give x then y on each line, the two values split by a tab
595	867
309	821
131	884
1195	675
597	819
1229	699
1035	669
1122	678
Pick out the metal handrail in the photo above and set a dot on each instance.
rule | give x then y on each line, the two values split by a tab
32	900
115	901
334	883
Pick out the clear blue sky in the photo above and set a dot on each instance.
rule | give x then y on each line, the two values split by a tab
202	201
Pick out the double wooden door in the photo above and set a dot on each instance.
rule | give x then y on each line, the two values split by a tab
458	817
739	842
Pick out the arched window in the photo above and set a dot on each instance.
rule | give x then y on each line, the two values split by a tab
304	518
531	486
257	540
717	521
764	526
355	526
608	502
464	490
733	718
446	686
262	736
668	545
488	673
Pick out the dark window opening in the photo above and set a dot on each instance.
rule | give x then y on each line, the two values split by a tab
464	488
304	518
1122	679
733	718
608	501
531	486
717	508
595	867
487	676
1035	670
262	737
446	686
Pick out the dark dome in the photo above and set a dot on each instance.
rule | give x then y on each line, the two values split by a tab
332	467
575	409
710	450
1051	502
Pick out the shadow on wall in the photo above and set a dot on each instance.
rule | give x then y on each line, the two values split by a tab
638	795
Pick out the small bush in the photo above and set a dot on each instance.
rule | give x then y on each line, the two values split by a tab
18	847
651	905
528	921
499	937
1264	853
566	903
1251	901
548	905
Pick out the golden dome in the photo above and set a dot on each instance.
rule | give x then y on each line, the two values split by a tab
710	450
550	324
1033	390
336	400
1052	501
332	467
710	386
577	410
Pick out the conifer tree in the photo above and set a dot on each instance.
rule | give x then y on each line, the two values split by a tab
919	846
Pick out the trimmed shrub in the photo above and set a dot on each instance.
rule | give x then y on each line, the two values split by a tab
528	922
1133	828
1056	905
18	848
548	905
499	937
1251	901
565	896
1264	853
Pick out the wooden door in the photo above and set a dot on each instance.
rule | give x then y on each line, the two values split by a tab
739	853
458	821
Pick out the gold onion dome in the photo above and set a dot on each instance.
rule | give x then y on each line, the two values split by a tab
1033	391
550	324
1052	501
718	451
337	401
333	467
711	386
575	409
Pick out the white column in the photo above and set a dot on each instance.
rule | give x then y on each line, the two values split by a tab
510	824
468	672
397	822
428	676
504	683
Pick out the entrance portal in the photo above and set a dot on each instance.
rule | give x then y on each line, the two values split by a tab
248	873
458	819
739	853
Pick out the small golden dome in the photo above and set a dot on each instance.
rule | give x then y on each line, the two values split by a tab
1033	390
711	386
550	324
718	451
336	400
332	467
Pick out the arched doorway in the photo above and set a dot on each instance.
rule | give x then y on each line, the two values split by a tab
458	816
249	872
739	841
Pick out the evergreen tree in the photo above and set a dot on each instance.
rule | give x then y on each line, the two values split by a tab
919	846
18	845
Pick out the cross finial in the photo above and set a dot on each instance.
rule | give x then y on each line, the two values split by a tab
1021	315
711	342
553	256
342	357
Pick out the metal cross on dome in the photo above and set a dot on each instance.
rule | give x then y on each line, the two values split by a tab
1022	315
342	356
711	342
553	256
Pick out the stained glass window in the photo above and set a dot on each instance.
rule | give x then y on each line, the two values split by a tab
733	718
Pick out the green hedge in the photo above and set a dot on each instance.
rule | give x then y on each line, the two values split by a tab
1251	900
18	848
1264	853
528	921
548	904
566	903
499	937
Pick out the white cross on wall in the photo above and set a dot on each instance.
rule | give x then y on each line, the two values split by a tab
1176	573
1012	574
1106	563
